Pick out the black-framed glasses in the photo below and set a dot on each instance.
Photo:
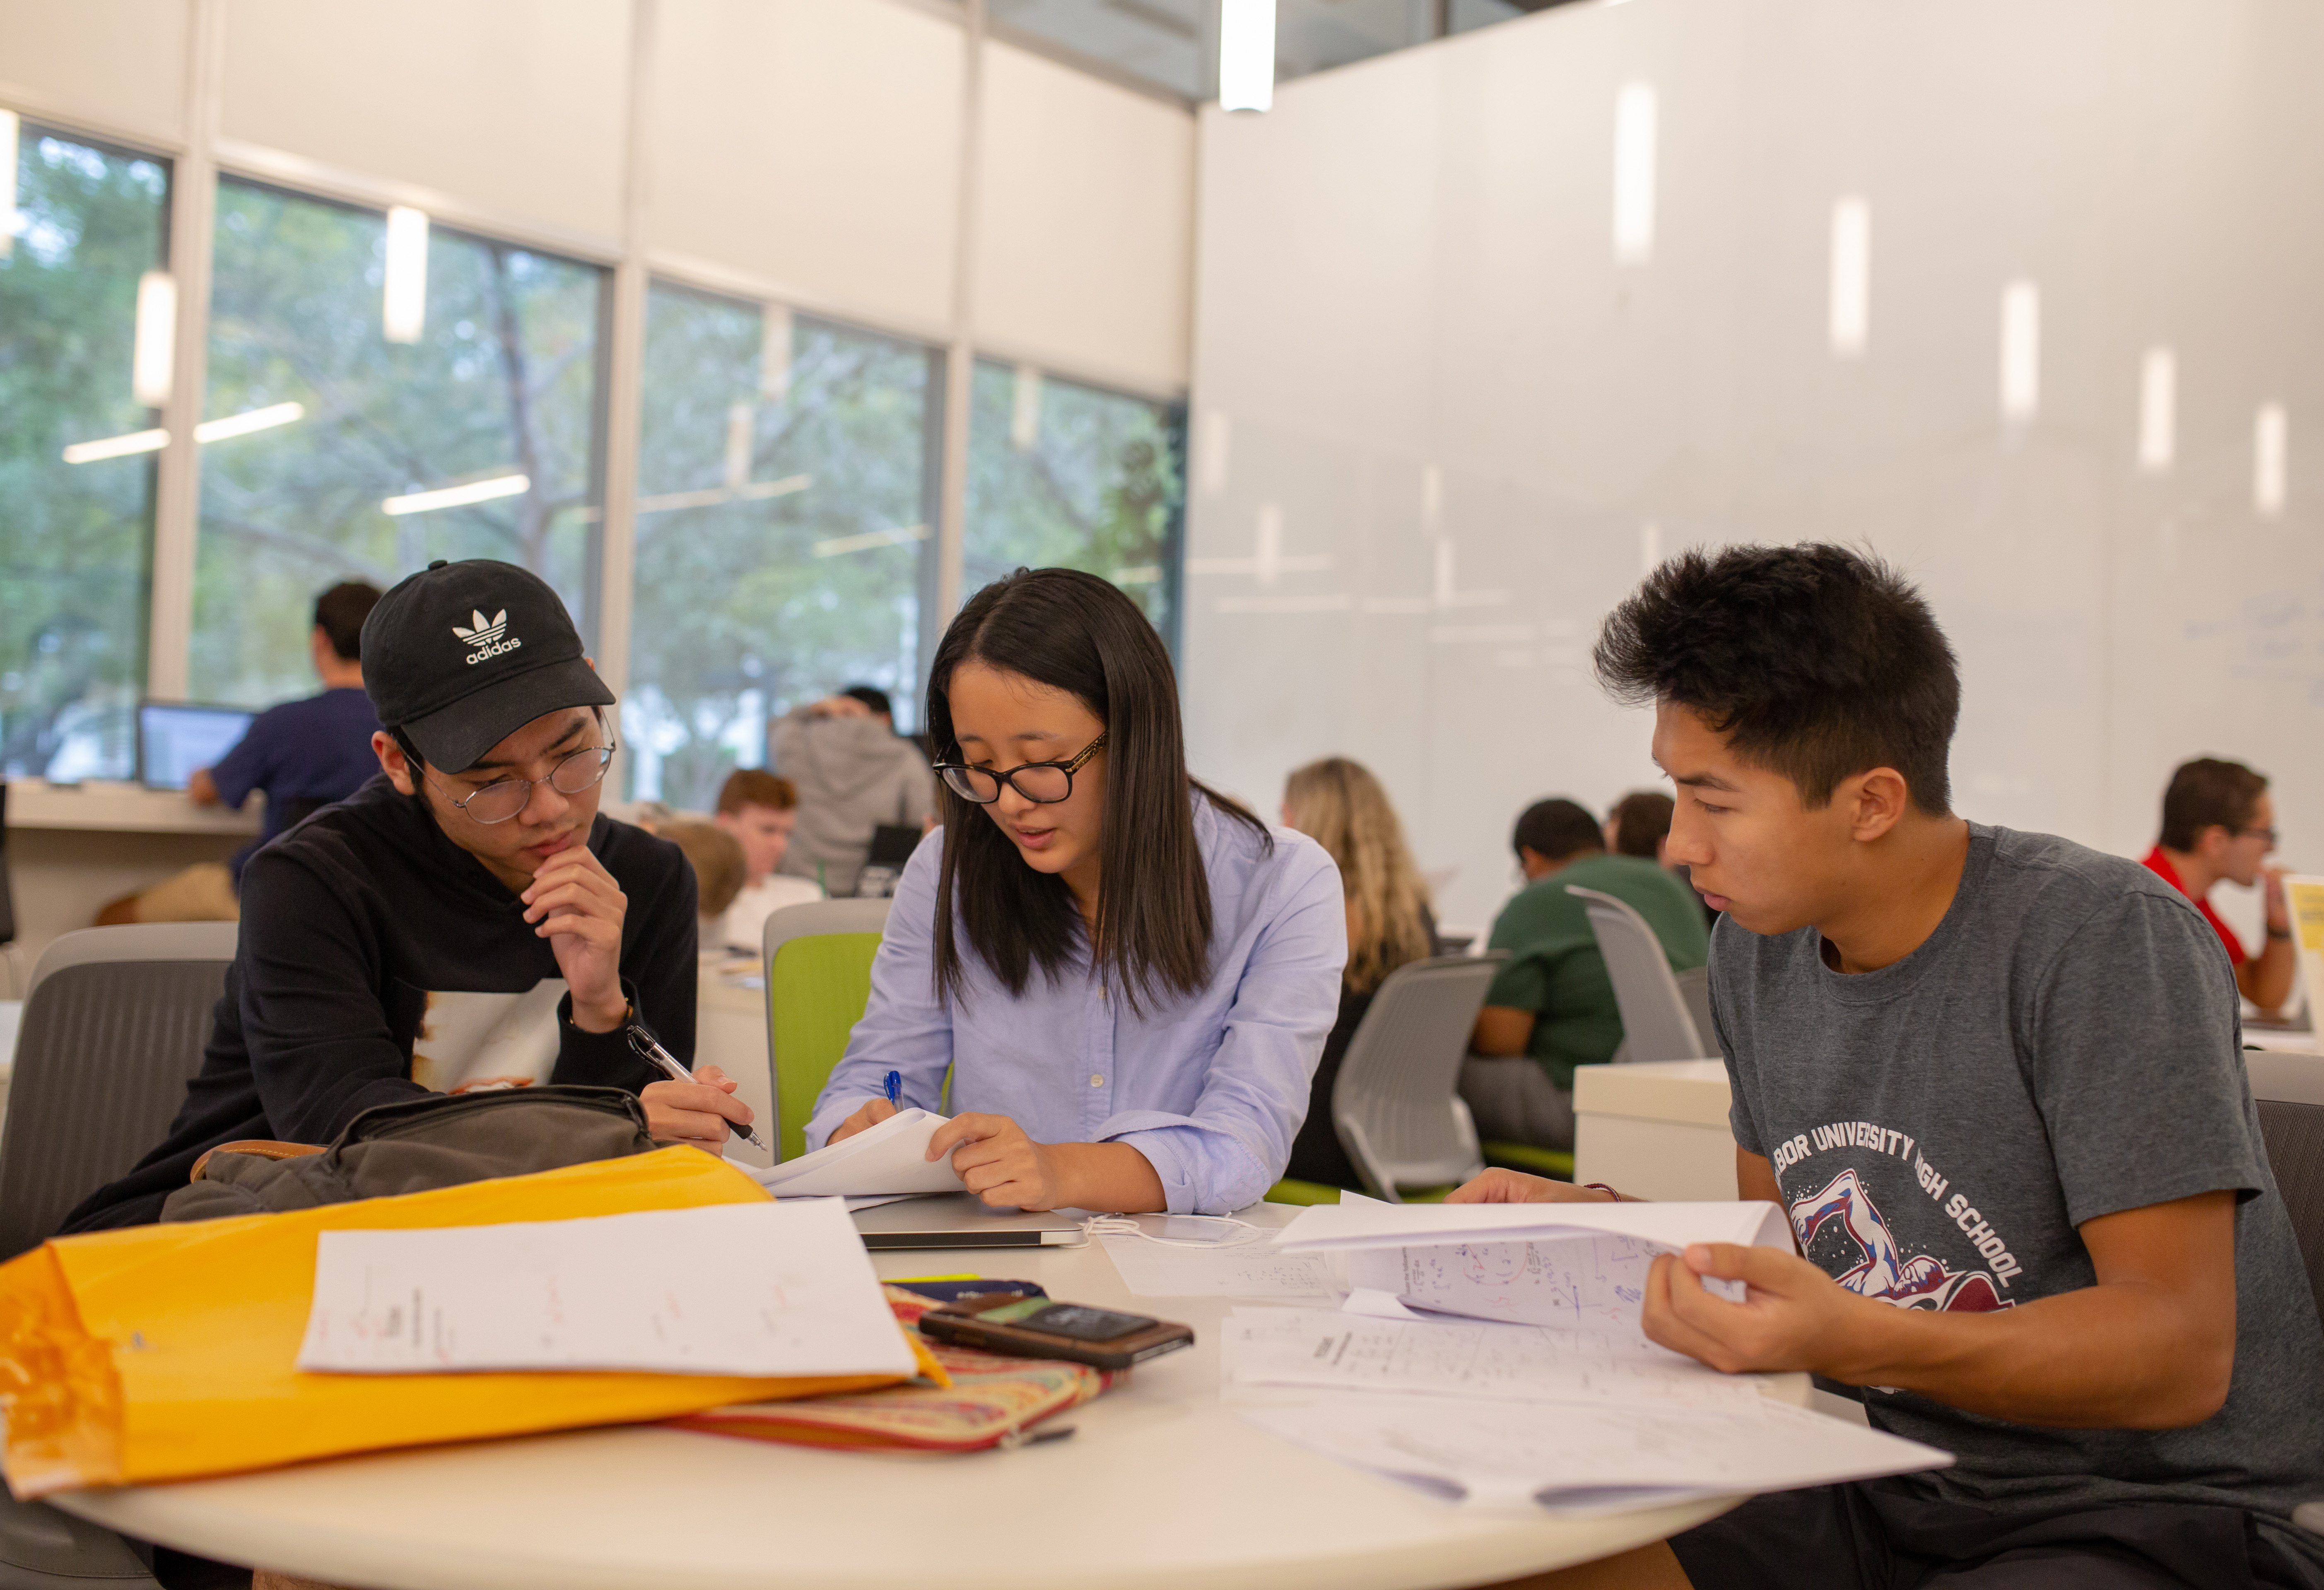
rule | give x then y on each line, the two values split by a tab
504	799
2269	834
1045	783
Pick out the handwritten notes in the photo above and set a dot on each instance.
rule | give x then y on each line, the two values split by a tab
765	1288
1576	1282
1329	1350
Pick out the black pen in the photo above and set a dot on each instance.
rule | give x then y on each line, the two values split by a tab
649	1048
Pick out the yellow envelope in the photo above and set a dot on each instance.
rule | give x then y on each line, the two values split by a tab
168	1352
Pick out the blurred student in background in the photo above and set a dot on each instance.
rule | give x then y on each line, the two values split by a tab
1340	805
1552	1009
716	857
759	810
853	774
303	756
1638	824
2218	824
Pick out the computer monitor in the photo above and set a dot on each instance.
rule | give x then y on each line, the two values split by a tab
174	738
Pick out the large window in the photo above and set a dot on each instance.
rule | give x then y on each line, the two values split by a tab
75	538
472	436
783	531
1070	477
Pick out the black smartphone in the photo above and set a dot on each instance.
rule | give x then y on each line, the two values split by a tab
1037	1328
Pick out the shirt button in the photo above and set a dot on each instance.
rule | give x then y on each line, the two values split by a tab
1096	1080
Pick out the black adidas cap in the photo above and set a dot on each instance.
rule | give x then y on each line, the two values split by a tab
463	655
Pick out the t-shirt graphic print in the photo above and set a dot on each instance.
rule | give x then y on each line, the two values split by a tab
2065	1045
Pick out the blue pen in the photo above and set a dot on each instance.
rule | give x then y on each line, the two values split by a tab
896	1089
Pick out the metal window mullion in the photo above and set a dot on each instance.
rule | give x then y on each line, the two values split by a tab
177	485
960	356
625	374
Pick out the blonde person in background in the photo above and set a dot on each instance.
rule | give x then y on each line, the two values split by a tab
717	860
1340	805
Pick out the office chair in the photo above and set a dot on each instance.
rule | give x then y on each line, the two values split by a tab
1657	1022
1397	1105
113	1027
817	958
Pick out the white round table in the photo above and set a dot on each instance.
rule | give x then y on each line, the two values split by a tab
1160	1485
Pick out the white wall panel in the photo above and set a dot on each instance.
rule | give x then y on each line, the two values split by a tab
513	108
117	63
1085	221
814	144
1405	273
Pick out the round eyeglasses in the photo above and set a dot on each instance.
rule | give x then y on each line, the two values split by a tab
1045	783
504	799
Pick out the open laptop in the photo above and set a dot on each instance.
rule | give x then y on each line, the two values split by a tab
176	738
962	1219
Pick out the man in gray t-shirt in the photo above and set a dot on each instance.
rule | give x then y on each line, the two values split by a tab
1996	1082
2064	1045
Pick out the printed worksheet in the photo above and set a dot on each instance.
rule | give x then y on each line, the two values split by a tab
1251	1269
1576	1282
1583	1460
760	1289
1327	1350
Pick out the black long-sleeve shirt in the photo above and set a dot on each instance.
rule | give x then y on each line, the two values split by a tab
362	929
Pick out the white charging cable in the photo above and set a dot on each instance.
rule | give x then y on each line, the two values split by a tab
1118	1225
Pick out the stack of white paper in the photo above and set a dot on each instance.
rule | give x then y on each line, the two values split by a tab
771	1288
1492	1354
891	1158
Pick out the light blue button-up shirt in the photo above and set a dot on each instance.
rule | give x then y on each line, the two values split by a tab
1210	1087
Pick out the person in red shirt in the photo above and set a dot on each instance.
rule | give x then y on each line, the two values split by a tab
2219	824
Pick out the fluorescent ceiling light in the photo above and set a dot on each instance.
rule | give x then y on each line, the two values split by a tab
154	359
1025	410
1650	548
1634	174
1246	54
403	313
506	485
2020	352
2158	409
2271	441
243	424
7	182
136	441
1851	276
837	545
1216	437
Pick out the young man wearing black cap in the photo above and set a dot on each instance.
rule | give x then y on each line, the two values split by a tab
467	920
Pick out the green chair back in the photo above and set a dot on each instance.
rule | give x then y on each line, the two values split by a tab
818	969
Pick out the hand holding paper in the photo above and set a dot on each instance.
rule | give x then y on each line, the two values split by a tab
891	1157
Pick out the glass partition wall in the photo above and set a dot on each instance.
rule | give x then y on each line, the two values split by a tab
785	499
77	451
381	392
465	430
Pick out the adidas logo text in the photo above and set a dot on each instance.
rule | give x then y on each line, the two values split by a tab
487	635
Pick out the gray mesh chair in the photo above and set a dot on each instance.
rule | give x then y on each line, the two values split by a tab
113	1027
1656	1021
1397	1107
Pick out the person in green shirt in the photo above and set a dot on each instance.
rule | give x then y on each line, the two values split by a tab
1551	1007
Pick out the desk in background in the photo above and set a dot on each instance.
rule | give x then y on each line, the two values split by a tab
1656	1130
72	848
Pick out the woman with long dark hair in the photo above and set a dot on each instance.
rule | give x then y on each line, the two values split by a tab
1130	975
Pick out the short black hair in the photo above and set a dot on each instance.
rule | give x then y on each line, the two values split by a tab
2208	793
1556	828
1817	661
872	696
340	612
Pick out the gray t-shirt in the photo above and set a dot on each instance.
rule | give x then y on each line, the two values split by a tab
2065	1045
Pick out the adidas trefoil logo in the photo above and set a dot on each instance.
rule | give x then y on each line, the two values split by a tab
486	638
